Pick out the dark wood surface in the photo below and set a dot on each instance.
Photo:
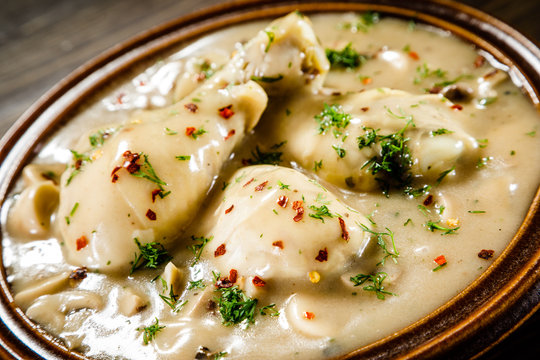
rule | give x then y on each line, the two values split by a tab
42	41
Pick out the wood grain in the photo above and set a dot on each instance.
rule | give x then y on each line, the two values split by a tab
42	41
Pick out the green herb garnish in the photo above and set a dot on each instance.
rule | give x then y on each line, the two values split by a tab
197	248
260	157
345	58
443	174
150	332
151	255
332	116
267	79
340	151
235	306
269	310
432	226
271	37
183	157
441	131
394	254
320	212
377	283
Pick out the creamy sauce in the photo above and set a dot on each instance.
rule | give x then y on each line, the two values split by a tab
306	264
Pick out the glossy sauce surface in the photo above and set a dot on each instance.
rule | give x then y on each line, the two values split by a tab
345	317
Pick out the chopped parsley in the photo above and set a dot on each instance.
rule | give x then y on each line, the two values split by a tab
235	306
332	116
377	283
197	248
151	255
476	212
321	211
432	226
170	132
394	254
183	157
198	132
345	58
150	332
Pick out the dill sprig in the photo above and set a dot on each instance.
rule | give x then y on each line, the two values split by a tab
332	116
150	332
345	58
197	248
151	256
432	226
320	212
376	286
235	306
394	254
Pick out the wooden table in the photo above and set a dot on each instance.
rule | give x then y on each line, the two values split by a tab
42	41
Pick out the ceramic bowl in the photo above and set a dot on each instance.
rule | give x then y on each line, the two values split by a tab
497	302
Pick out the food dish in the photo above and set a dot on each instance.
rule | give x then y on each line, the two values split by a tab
386	112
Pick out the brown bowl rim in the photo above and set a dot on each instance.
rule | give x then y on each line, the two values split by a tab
496	303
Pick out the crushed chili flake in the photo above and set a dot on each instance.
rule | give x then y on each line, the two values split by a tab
190	130
309	315
155	193
490	74
246	162
428	200
258	282
114	178
151	215
224	283
323	255
261	186
278	244
298	206
479	61
283	201
78	164
130	161
226	112
486	254
440	260
120	98
78	274
220	250
249	182
233	275
231	133
364	109
344	232
435	90
457	107
191	107
229	209
367	80
81	242
413	55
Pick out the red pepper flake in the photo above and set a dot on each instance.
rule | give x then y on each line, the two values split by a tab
226	112
78	164
479	61
283	201
309	315
258	282
364	109
457	107
486	254
298	206
367	80
130	161
440	260
233	275
435	90
155	193
191	107
344	232
278	244
220	250
413	55
190	130
428	200
114	175
229	209
151	215
490	74
224	282
323	255
246	162
231	133
249	182
120	98
261	186
81	242
78	274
